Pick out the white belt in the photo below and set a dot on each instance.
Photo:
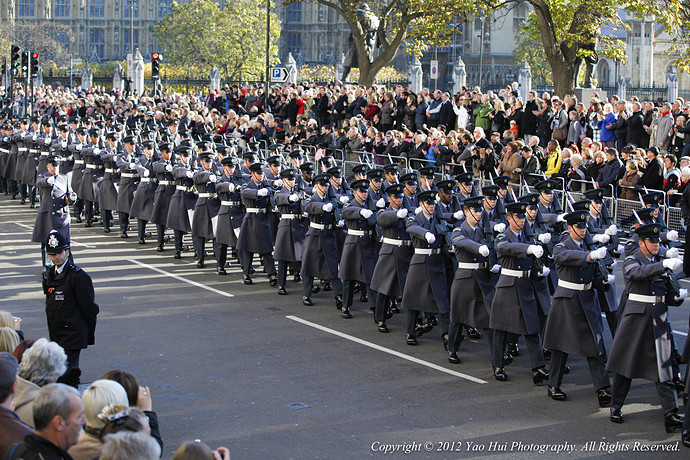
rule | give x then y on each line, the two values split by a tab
4	150
223	203
290	216
358	232
110	170
396	242
22	149
145	180
320	226
427	252
645	298
206	195
163	182
183	188
126	175
78	162
93	166
469	265
43	154
574	286
255	210
514	273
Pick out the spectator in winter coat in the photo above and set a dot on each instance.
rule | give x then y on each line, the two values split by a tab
612	168
653	177
607	136
663	130
420	113
629	181
635	126
482	113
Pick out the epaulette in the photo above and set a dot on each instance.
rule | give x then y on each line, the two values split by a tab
632	257
560	245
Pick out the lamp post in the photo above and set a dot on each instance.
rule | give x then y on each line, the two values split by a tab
131	27
268	49
481	50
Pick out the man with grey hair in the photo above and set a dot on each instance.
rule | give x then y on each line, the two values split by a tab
127	445
59	418
41	364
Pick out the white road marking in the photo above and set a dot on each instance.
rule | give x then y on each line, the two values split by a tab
386	350
179	278
88	246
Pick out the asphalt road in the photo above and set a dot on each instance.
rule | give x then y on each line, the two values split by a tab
267	377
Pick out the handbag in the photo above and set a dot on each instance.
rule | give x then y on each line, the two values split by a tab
560	134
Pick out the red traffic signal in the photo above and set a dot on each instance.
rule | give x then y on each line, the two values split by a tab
155	56
34	55
155	65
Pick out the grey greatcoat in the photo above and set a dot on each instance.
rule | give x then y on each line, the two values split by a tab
128	181
31	162
183	200
473	289
164	191
292	228
320	256
44	141
142	203
231	211
642	345
107	198
255	234
93	173
514	308
574	325
395	254
22	152
11	159
53	213
73	150
206	206
429	291
359	252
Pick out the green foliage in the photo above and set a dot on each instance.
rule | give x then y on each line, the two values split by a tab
324	73
199	35
531	49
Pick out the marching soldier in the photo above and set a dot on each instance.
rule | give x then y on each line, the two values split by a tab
108	188
183	200
230	213
31	162
164	192
447	201
292	228
409	180
574	323
474	284
5	146
520	317
142	202
206	207
465	186
426	178
642	345
390	175
21	141
126	162
390	273
93	174
304	182
69	146
376	198
360	248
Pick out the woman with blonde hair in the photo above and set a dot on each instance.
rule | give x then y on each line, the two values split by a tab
9	340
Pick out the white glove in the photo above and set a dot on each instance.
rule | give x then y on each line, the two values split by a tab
212	177
544	238
672	235
72	197
544	272
402	213
190	174
305	215
340	224
231	187
278	183
132	165
262	192
672	253
168	168
430	237
458	215
293	198
483	250
612	230
147	173
560	218
673	264
614	264
78	147
500	227
24	135
366	213
51	180
344	199
96	151
418	210
496	268
536	251
64	144
598	254
620	249
381	203
610	279
47	141
328	207
683	295
601	238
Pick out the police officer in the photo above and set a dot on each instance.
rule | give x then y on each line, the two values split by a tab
642	345
574	323
70	307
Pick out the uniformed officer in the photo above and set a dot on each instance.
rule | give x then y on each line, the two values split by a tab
163	169
409	180
69	145
574	323
230	213
206	206
53	212
183	200
448	202
474	283
426	178
108	187
93	174
642	345
390	175
129	179
516	257
376	197
360	248
142	202
465	186
291	229
70	307
390	273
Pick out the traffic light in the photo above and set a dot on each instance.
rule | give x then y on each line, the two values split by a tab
15	60
34	63
25	63
155	65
